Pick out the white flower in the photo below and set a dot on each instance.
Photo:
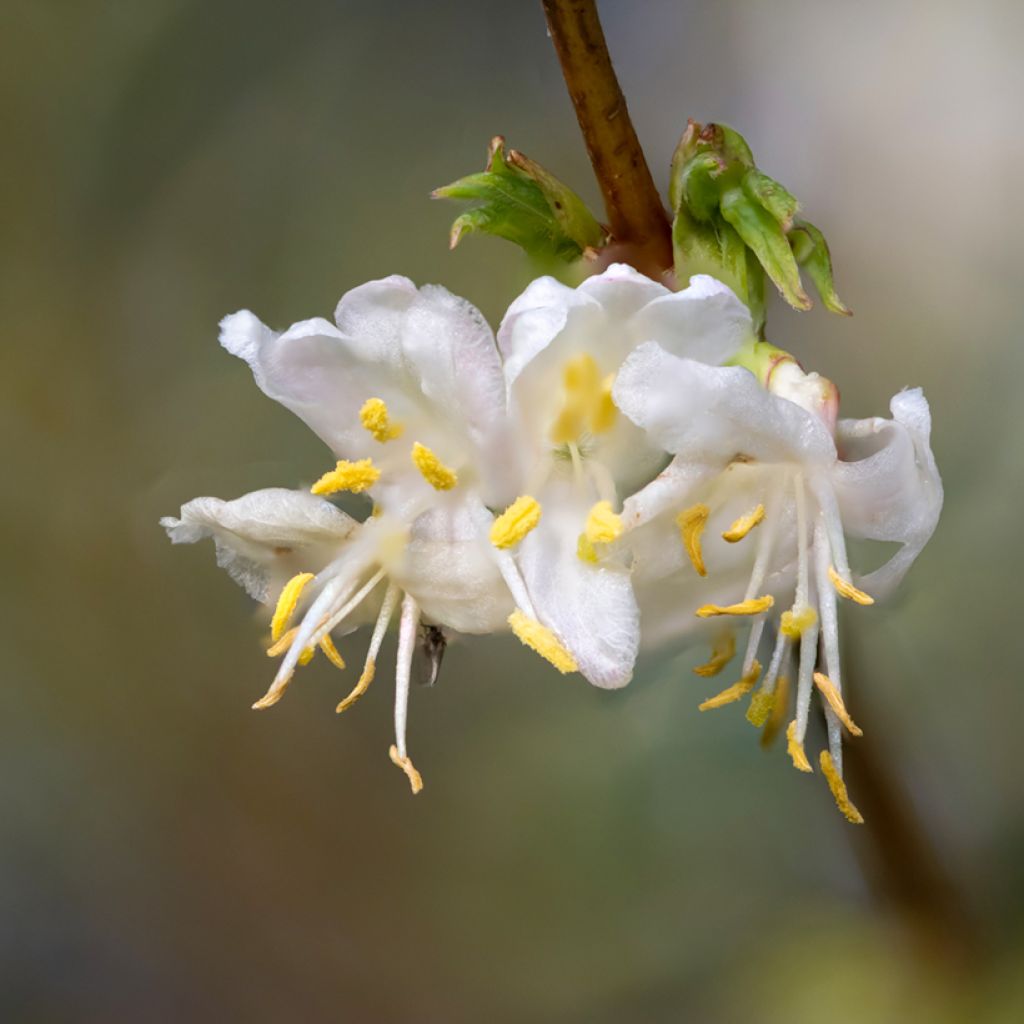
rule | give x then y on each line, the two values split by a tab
562	349
407	390
771	460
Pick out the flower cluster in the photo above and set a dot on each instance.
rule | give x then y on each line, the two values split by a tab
622	466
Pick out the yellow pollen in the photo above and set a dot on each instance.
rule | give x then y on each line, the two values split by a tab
414	777
374	417
587	405
795	749
348	476
754	606
734	692
774	723
603	525
286	603
585	551
332	652
835	702
762	704
744	525
540	639
434	471
369	670
838	787
691	523
794	624
515	522
848	590
722	651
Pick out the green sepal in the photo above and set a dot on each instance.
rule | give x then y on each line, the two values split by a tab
779	202
811	251
520	201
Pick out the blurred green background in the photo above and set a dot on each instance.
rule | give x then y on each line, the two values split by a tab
166	853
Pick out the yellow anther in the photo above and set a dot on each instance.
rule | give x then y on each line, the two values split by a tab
307	656
540	639
369	670
774	723
744	525
374	417
734	692
414	777
332	652
348	476
754	606
515	522
587	405
795	749
847	589
722	651
603	525
434	471
838	787
290	594
691	523
282	645
762	704
274	694
835	702
585	551
794	624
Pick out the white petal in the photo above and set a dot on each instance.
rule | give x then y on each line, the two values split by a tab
706	322
591	607
888	485
264	537
703	413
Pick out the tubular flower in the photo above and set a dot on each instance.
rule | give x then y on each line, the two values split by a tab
407	391
562	349
763	489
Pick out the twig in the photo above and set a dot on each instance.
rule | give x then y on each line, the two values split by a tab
636	217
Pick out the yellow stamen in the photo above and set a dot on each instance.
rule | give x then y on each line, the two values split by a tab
795	749
691	523
282	645
774	723
587	405
274	694
585	551
722	650
332	652
540	639
734	692
754	606
838	787
603	525
744	525
307	656
348	476
835	702
414	777
762	704
286	603
848	590
794	624
515	522
369	670
434	471
374	417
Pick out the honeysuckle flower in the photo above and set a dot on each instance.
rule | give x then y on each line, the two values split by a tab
761	453
562	348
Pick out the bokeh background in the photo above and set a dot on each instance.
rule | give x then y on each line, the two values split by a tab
165	853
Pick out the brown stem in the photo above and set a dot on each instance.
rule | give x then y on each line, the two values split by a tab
637	219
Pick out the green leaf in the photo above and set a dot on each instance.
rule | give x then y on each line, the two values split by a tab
520	201
811	251
763	234
780	203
